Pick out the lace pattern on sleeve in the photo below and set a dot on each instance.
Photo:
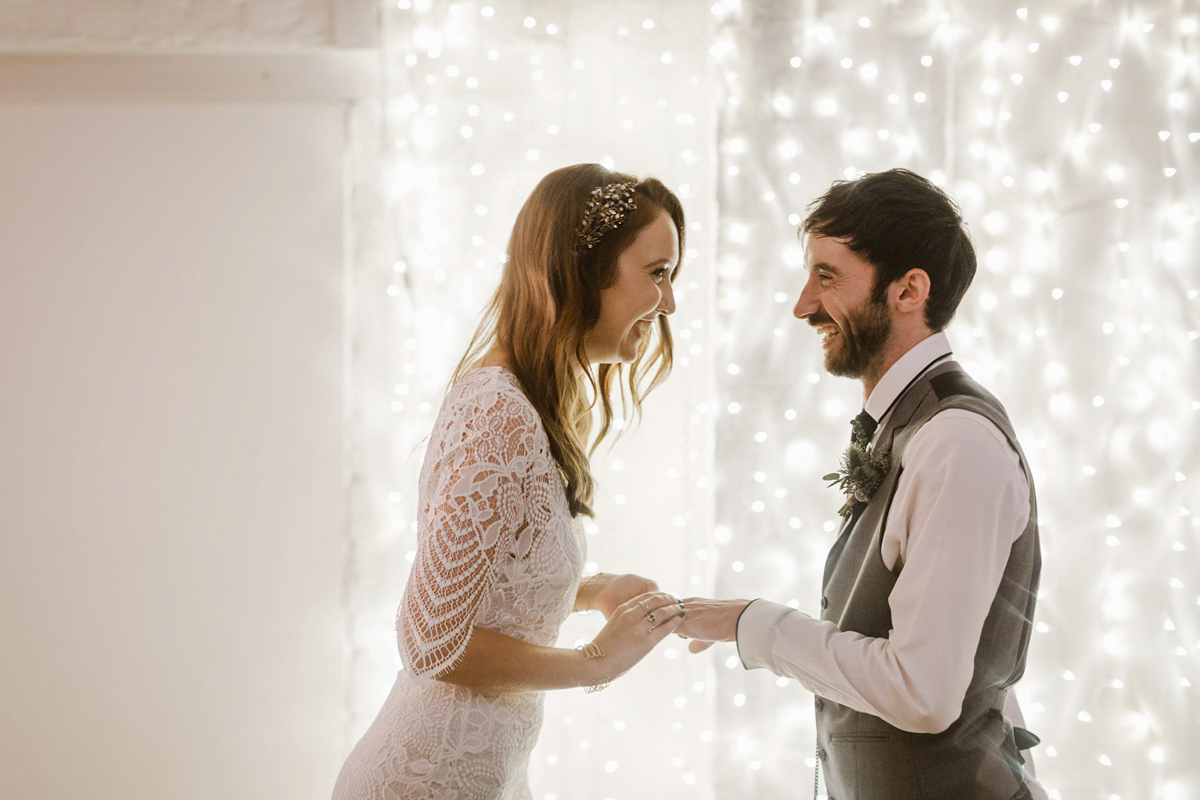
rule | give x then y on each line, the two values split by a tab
472	511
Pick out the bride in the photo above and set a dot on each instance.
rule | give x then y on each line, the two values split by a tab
585	291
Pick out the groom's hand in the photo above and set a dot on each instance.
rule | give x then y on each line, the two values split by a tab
710	621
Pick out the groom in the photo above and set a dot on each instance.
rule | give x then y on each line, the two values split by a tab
928	595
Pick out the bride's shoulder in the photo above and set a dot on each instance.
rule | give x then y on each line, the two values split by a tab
487	392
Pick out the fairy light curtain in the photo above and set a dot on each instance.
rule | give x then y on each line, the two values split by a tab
1068	132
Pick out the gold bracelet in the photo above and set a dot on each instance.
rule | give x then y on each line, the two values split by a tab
591	650
595	687
594	650
583	590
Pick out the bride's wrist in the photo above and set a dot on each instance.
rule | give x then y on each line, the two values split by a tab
589	590
594	674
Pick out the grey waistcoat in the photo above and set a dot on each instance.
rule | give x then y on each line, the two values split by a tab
976	758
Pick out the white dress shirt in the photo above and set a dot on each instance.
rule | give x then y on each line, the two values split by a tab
960	503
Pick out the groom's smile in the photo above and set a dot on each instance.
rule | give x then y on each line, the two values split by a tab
827	334
838	302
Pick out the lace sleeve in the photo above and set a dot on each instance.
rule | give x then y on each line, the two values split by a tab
474	510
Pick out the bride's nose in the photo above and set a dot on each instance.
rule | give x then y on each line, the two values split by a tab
666	304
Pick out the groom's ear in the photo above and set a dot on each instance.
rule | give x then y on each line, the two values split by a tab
910	292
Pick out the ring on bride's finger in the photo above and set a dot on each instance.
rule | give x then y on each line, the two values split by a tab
651	615
642	603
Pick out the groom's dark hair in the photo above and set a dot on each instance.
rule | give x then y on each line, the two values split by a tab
899	221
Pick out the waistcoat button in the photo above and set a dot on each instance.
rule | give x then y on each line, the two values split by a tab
821	753
820	704
824	602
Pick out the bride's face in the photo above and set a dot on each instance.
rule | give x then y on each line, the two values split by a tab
642	291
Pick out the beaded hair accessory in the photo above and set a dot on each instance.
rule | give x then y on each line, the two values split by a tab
605	212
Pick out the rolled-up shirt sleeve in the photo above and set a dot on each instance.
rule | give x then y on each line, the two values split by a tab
962	500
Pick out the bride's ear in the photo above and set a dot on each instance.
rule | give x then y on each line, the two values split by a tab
910	291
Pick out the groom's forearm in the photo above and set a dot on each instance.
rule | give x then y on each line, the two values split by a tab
868	674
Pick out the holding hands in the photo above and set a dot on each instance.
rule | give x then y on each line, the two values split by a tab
639	617
633	630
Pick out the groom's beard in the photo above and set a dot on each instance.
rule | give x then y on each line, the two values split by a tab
859	341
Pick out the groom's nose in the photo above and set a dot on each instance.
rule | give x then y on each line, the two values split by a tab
807	304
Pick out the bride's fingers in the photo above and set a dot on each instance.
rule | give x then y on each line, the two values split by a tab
652	599
662	630
664	608
669	601
658	604
697	646
666	614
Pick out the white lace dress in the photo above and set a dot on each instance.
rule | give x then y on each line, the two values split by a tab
498	548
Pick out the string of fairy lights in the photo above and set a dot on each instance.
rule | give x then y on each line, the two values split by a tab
1067	131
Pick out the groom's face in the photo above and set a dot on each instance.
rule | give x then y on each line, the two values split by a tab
836	300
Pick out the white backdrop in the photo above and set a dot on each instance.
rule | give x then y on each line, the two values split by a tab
1067	132
171	440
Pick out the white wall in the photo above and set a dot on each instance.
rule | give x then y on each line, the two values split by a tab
172	371
168	24
170	486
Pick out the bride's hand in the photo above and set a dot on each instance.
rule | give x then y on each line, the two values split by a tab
633	630
615	590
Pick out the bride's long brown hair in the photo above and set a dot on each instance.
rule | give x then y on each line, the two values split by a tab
547	304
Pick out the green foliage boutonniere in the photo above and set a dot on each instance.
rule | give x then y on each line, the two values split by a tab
862	470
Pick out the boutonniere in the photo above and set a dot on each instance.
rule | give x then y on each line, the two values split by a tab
862	470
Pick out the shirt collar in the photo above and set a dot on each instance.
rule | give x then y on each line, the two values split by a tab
926	353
